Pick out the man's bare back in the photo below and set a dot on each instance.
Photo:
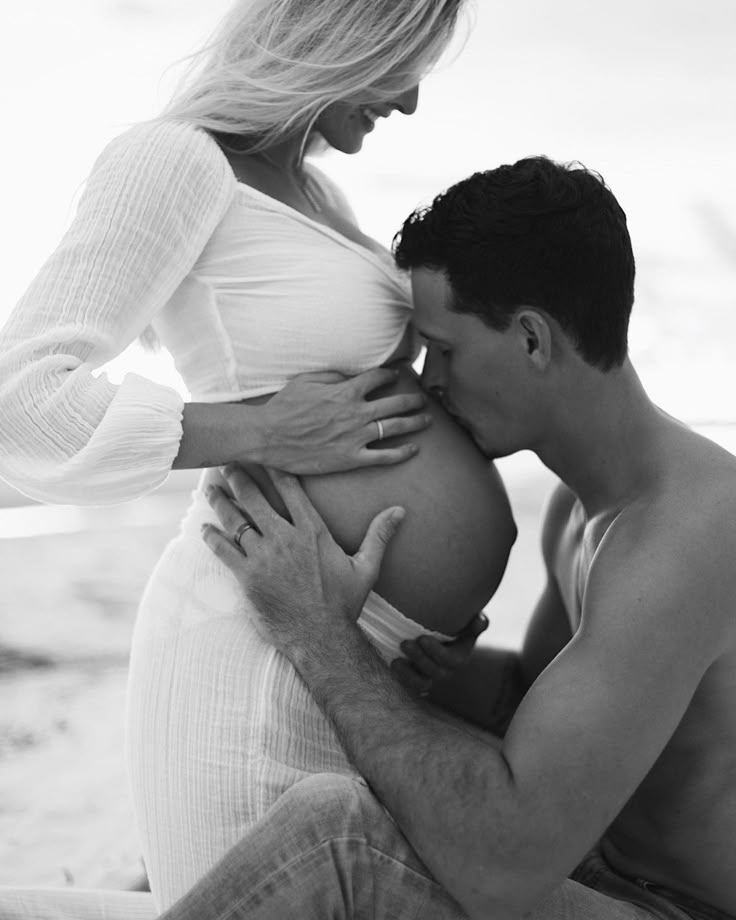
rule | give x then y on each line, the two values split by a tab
678	830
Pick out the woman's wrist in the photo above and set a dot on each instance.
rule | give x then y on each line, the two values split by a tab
219	433
318	423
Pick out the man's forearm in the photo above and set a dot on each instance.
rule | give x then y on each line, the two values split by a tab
445	786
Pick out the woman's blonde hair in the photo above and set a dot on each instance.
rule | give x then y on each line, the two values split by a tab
272	66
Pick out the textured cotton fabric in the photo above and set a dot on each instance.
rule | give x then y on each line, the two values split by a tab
219	724
151	203
75	904
245	292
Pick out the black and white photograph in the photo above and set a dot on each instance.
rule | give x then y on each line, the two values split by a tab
368	460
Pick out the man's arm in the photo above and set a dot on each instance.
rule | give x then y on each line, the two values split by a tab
488	689
499	829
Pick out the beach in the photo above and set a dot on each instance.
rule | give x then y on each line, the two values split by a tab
65	811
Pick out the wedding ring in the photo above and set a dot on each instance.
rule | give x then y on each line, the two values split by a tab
380	428
240	531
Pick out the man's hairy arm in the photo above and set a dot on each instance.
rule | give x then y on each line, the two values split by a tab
501	828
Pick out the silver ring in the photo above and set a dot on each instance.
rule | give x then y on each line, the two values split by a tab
239	533
380	428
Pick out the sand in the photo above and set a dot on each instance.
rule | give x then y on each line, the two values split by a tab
69	601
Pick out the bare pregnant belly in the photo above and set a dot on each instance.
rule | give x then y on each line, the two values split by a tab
448	557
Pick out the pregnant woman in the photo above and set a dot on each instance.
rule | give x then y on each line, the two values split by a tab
207	227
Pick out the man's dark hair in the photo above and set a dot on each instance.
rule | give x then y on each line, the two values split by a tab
538	234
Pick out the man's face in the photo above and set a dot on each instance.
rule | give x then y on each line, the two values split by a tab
479	374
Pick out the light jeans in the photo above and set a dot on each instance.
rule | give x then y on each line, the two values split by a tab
327	850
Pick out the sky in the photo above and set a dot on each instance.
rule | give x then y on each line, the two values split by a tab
643	91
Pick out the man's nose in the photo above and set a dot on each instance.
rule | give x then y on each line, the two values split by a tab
433	374
407	102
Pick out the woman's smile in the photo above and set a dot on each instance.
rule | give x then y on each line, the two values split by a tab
344	124
370	116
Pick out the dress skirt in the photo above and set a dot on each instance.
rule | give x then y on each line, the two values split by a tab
219	725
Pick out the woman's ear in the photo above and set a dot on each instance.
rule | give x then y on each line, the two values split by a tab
535	335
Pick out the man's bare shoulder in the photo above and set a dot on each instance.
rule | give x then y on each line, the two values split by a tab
692	498
675	542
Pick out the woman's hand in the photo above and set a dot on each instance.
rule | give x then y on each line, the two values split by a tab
427	659
323	422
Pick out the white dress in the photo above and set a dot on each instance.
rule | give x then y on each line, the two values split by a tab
245	292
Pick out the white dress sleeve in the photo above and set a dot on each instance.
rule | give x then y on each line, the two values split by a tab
151	203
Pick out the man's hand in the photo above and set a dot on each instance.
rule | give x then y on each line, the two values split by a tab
306	590
428	660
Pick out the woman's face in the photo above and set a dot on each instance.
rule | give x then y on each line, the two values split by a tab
344	124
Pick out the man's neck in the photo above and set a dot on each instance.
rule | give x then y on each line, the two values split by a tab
605	441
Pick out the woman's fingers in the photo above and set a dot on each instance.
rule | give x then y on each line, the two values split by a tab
402	404
391	427
321	422
394	416
320	377
369	381
367	456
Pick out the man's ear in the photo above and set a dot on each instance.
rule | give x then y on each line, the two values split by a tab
535	336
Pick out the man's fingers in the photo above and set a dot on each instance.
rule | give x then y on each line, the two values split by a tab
413	681
465	640
230	515
440	659
249	496
475	627
295	499
429	657
380	531
222	547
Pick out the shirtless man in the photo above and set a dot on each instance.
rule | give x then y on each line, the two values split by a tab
612	793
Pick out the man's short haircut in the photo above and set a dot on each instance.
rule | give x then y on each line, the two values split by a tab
537	234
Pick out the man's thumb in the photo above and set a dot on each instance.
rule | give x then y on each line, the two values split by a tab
378	536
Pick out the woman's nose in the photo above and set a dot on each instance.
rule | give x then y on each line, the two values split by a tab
407	102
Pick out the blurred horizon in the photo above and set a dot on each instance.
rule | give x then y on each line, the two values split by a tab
643	91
